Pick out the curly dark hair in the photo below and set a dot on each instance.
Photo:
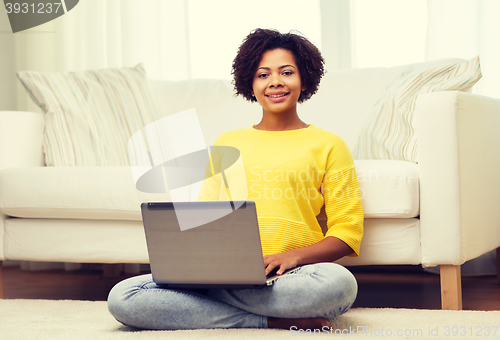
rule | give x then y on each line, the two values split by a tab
307	56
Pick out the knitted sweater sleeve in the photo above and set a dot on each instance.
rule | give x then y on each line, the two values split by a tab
343	198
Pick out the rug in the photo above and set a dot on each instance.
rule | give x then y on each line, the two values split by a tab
66	319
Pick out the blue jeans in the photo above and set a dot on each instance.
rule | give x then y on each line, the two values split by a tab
323	290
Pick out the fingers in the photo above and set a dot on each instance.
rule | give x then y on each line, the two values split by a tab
282	267
270	262
270	268
281	270
281	261
267	260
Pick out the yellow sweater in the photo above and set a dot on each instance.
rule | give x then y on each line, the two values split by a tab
290	175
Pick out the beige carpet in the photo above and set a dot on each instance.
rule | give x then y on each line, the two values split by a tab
48	319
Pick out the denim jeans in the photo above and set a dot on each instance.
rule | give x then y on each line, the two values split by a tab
318	290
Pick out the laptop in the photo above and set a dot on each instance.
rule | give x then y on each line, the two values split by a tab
202	245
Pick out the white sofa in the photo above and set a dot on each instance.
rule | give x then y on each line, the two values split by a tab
443	211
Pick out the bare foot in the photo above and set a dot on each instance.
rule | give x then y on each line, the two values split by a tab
302	323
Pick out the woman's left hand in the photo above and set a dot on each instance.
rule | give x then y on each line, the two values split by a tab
327	250
283	261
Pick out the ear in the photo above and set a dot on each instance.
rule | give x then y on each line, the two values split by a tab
304	88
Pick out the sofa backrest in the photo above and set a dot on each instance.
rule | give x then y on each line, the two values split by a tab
341	105
21	134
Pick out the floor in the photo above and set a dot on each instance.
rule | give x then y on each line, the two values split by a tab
381	286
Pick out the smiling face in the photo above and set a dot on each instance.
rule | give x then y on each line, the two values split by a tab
276	84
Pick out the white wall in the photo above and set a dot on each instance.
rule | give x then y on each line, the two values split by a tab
7	65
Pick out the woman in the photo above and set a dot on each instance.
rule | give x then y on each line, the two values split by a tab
292	170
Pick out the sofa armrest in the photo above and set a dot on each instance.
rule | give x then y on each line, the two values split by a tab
459	168
21	139
20	146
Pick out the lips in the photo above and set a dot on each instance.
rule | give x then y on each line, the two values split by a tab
277	96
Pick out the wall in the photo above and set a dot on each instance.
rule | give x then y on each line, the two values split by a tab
8	85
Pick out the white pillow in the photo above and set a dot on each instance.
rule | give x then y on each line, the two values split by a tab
389	131
90	115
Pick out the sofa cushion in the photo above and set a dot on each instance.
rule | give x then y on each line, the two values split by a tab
385	241
106	193
390	130
388	241
90	115
389	190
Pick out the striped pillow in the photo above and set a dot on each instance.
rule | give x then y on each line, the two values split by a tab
389	131
90	115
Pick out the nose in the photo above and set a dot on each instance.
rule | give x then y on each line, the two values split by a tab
275	80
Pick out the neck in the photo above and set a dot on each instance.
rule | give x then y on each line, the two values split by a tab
272	122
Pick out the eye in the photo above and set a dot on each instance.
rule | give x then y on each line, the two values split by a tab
287	72
262	75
